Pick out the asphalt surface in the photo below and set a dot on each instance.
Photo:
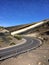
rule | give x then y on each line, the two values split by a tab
29	45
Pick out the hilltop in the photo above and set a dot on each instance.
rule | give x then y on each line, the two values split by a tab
18	27
40	29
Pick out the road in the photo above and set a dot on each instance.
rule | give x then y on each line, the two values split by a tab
31	43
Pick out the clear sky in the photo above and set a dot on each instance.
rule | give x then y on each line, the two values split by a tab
15	12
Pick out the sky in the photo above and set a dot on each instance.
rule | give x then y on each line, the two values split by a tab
16	12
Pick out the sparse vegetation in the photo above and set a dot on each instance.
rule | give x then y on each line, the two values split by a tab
12	43
18	37
1	27
9	38
1	40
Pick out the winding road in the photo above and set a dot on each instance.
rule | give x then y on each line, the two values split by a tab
30	44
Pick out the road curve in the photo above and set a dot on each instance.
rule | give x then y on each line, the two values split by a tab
31	43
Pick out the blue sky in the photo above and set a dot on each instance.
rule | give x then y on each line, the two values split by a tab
16	12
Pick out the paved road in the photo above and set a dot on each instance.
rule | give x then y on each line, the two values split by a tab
30	44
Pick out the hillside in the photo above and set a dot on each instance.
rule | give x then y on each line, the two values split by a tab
41	28
38	56
6	39
18	27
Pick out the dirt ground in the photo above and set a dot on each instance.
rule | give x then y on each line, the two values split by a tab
38	56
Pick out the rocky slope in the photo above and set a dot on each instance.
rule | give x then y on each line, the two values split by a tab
6	39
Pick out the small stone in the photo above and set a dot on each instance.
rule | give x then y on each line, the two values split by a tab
28	64
39	63
48	60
